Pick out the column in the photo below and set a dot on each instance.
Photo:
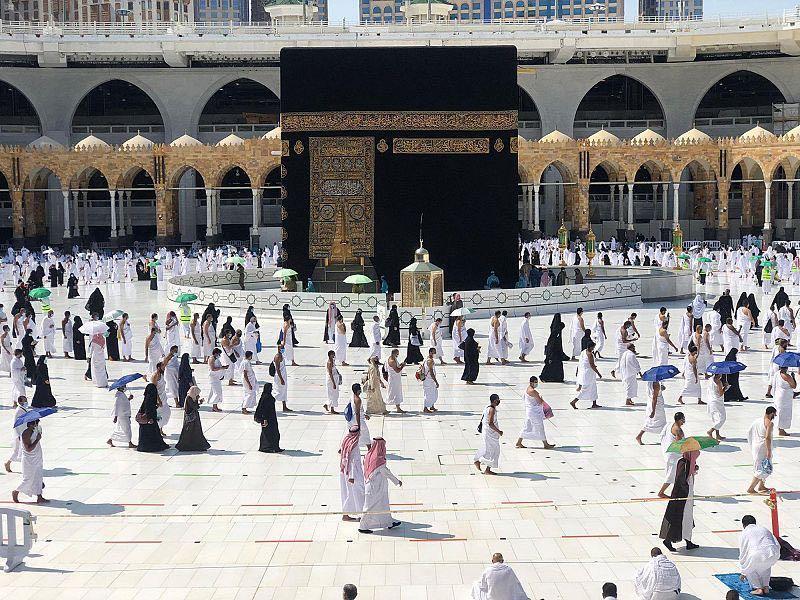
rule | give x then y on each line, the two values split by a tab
789	201
655	201
215	212
664	200
85	196
209	212
767	204
529	207
76	229
630	206
536	207
256	210
612	189
112	196
675	204
67	230
129	221
122	213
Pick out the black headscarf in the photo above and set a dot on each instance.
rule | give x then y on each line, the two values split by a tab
249	314
227	327
149	404
742	301
96	303
752	304
265	411
184	378
781	299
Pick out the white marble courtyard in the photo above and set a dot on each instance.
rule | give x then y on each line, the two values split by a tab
238	524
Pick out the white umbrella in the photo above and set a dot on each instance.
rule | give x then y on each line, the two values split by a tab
115	314
462	312
47	251
93	328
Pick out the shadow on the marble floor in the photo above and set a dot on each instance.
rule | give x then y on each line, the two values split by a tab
59	472
526	475
456	413
24	568
712	552
783	442
76	507
392	456
569	449
300	453
300	413
726	448
413	531
731	500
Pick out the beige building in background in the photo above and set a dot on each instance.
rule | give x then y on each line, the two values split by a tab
90	11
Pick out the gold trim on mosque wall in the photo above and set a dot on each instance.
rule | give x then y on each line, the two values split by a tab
440	145
399	121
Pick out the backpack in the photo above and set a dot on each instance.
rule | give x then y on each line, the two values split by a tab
348	412
420	374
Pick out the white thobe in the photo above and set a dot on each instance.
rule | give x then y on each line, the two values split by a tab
49	335
758	552
17	378
757	438
352	493
376	499
629	368
489	451
32	469
525	338
436	339
670	458
376	341
498	582
458	335
248	394
332	386
658	580
533	428
122	413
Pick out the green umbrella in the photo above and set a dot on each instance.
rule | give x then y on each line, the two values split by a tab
284	273
357	279
691	443
684	256
704	259
115	314
183	298
39	293
154	263
767	263
235	260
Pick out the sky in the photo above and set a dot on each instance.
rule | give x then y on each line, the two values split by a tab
348	9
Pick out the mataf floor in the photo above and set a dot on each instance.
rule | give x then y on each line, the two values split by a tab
238	524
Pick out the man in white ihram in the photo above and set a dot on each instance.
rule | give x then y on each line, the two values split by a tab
659	579
758	552
498	582
376	338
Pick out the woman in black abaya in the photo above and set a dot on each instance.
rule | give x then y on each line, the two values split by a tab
393	327
554	356
227	327
112	344
754	310
72	286
192	438
150	439
43	396
733	393
96	304
53	275
78	343
27	353
472	352
413	353
185	378
359	340
266	416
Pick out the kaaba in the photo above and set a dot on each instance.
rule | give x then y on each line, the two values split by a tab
374	137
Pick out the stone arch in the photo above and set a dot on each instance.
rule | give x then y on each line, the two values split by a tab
719	87
269	101
174	177
641	102
126	177
562	168
528	111
140	92
234	186
220	173
16	108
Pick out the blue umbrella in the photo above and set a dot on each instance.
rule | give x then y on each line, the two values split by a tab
33	414
660	373
725	367
787	359
125	380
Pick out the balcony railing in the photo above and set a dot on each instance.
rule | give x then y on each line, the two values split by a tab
757	120
620	124
131	129
260	128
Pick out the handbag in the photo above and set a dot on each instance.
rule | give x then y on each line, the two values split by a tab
142	419
258	345
480	426
766	466
420	374
348	412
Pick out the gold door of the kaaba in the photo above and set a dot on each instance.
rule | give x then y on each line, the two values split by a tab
342	198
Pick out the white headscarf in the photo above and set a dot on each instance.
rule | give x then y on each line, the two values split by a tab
698	306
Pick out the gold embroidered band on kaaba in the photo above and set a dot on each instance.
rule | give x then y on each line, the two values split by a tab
440	145
399	121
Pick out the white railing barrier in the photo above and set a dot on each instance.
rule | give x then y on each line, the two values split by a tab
11	548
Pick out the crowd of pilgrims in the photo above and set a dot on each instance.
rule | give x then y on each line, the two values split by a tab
230	354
